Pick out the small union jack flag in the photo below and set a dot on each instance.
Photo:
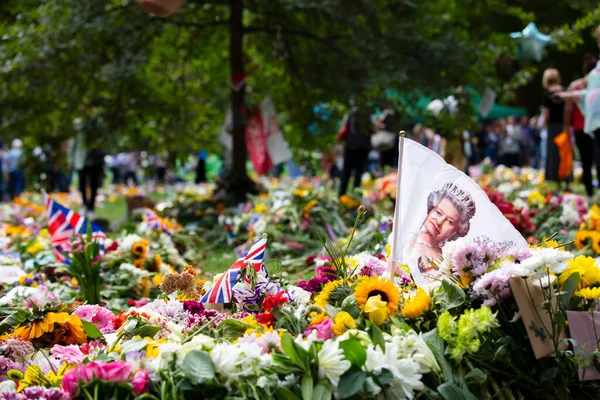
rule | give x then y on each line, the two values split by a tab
64	225
221	291
154	222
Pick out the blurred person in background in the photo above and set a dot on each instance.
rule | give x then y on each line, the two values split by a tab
201	167
357	145
13	166
510	135
584	141
554	112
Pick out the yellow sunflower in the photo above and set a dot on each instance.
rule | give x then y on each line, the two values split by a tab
66	329
138	248
416	305
311	204
139	263
373	286
596	241
322	298
581	237
589	293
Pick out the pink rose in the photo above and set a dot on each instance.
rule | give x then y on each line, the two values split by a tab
117	371
70	382
96	368
140	382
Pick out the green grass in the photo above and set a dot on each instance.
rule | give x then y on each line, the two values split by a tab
218	261
117	211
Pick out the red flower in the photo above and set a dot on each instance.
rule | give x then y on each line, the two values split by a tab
112	247
274	301
119	319
265	319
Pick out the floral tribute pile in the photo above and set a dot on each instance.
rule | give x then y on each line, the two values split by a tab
129	324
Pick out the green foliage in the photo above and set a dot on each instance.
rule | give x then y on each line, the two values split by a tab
133	80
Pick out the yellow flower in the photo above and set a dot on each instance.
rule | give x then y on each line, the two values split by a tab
311	204
376	309
157	279
139	248
342	322
588	270
261	209
594	221
74	282
139	263
68	329
415	306
318	318
536	198
547	244
373	286
17	230
34	248
349	202
580	238
589	293
34	376
322	298
388	251
595	236
300	193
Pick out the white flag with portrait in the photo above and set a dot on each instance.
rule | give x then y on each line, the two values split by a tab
436	204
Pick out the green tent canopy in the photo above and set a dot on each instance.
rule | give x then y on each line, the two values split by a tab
415	105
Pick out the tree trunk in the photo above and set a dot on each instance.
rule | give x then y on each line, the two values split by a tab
238	183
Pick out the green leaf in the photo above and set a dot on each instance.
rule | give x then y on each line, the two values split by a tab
385	377
91	330
16	318
146	330
232	328
438	347
475	377
322	391
198	367
285	394
133	345
354	352
377	337
287	345
450	391
371	389
351	382
455	296
568	288
307	387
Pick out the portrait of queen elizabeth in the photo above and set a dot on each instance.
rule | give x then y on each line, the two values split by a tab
449	212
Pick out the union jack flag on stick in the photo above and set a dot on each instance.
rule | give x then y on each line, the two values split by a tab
64	225
154	222
221	291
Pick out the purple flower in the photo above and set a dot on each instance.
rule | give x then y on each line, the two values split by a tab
384	227
193	307
493	286
313	285
326	272
41	393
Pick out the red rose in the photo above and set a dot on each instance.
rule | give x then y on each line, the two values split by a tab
274	301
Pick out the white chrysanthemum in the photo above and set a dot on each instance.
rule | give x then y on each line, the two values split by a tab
332	363
405	371
128	241
225	358
569	215
413	346
541	261
134	271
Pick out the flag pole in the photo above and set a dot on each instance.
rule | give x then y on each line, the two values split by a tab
397	222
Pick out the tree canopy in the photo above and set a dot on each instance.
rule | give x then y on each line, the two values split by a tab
163	83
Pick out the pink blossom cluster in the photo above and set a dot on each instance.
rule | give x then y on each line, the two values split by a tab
97	315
